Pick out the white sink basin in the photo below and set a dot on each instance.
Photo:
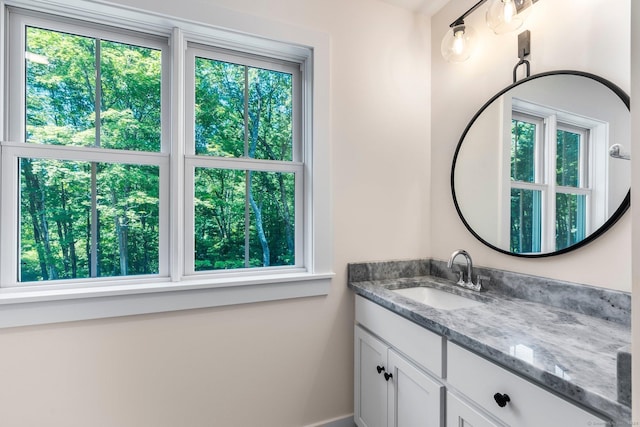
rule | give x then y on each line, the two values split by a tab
437	298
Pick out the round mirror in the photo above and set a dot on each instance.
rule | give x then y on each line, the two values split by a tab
544	167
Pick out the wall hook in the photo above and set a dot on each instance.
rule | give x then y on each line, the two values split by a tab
524	50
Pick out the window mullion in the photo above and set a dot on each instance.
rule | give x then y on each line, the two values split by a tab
551	145
10	213
246	111
584	159
93	264
248	173
179	227
98	96
247	217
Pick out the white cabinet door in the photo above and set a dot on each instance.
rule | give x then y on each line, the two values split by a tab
459	414
414	398
370	387
391	391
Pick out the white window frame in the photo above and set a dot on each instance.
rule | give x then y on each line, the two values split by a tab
173	289
593	132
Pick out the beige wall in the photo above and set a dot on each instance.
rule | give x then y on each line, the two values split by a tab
590	36
277	364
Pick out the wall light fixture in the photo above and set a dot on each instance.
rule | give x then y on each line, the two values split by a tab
502	16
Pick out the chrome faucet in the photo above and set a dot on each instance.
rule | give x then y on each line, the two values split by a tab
469	283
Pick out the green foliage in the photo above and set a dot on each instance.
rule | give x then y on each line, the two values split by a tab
570	219
568	158
525	221
523	149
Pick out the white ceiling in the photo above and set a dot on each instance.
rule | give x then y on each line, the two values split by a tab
425	7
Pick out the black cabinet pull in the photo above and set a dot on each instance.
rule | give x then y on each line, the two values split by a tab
502	399
387	376
380	369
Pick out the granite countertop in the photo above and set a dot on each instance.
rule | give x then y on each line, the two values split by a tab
573	354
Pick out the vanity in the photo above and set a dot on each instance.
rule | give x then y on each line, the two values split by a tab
542	169
511	355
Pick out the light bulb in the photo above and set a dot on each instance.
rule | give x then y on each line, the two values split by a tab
458	43
507	15
509	9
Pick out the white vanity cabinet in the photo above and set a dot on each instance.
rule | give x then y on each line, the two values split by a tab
390	390
508	397
400	381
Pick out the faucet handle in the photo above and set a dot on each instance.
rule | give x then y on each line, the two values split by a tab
481	279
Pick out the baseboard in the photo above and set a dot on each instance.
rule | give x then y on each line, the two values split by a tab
346	421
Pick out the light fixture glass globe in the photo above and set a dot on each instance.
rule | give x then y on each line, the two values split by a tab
458	43
507	15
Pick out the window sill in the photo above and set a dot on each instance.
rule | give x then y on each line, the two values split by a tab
23	307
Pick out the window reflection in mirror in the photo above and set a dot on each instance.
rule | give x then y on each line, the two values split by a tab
550	212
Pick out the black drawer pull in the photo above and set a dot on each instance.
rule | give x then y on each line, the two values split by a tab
502	399
380	369
387	376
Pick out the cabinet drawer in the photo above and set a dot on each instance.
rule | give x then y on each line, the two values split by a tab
529	405
422	346
460	413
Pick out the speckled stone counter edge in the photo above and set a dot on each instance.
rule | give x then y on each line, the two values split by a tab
603	303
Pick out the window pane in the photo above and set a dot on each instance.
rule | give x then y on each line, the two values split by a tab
226	127
239	229
270	115
526	220
60	86
61	92
219	115
523	149
128	219
272	218
56	219
568	158
219	219
130	84
570	219
55	205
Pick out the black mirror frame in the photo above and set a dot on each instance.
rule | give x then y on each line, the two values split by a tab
624	206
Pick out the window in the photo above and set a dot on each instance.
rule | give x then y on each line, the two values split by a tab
245	162
89	152
550	183
159	161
